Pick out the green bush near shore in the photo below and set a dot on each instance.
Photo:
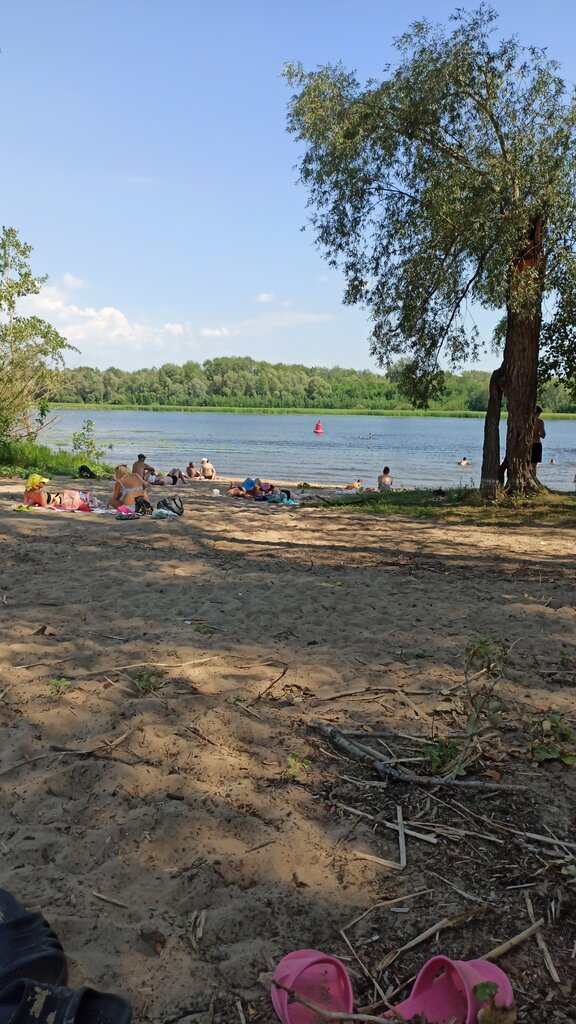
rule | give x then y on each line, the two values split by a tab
20	458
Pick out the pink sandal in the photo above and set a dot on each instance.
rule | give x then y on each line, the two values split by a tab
444	990
318	977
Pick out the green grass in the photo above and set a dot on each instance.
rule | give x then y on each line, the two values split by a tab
465	506
257	411
20	458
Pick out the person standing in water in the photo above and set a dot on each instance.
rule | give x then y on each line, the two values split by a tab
538	433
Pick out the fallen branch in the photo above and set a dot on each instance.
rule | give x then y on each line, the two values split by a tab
368	756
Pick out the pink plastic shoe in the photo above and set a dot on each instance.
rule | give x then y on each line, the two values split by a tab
318	977
444	990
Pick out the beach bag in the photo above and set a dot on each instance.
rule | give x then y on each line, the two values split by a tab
143	507
174	505
86	473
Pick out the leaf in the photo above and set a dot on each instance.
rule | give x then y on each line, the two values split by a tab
568	759
485	991
491	773
473	725
497	1015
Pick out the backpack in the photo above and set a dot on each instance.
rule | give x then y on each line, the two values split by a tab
86	473
143	507
174	505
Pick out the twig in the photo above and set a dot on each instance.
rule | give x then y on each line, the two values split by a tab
386	903
238	1002
446	922
540	940
26	760
499	951
269	687
368	756
362	964
329	1014
378	860
401	837
110	899
387	824
141	664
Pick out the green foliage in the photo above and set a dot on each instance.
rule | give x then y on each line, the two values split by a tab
242	384
551	733
148	682
296	765
58	686
425	187
85	446
20	458
440	753
31	350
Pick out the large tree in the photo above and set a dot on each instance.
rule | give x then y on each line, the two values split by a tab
449	185
31	350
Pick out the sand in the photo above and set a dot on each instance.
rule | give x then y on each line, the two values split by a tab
182	839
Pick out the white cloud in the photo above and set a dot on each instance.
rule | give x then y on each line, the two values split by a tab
71	281
264	297
254	326
175	329
219	332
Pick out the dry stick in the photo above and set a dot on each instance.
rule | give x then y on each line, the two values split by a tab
378	860
240	1010
362	965
141	664
365	689
110	899
47	664
386	903
446	922
329	1014
269	687
18	764
401	837
387	824
370	757
540	940
499	951
508	828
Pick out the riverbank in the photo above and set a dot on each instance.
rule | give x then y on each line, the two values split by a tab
183	822
261	410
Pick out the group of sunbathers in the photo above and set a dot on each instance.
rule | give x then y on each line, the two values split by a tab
253	487
173	476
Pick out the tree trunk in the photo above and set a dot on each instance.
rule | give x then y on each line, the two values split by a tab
490	477
522	380
517	378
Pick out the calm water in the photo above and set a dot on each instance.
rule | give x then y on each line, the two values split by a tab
421	451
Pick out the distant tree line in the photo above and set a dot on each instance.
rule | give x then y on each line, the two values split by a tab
248	383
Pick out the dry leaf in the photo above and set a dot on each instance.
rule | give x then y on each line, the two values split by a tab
497	1015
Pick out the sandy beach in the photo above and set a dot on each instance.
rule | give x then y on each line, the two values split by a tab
166	802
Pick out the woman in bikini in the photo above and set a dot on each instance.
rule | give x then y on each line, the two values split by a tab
69	500
127	488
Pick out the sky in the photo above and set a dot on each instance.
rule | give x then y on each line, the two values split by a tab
147	162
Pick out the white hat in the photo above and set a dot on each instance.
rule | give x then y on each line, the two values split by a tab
203	460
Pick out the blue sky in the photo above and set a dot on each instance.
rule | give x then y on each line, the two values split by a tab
145	158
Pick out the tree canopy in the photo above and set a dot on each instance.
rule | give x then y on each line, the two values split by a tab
31	350
450	184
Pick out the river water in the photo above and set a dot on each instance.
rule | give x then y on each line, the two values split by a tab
421	451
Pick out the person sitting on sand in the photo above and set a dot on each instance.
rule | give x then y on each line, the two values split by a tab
207	471
385	481
464	462
141	467
127	488
69	500
192	472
